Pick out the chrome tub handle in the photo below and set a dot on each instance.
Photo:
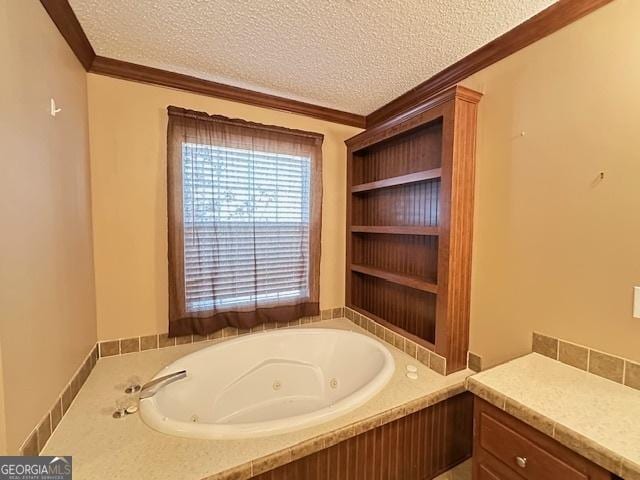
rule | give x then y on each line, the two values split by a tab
149	389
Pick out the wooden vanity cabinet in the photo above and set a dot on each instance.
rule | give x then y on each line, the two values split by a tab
505	448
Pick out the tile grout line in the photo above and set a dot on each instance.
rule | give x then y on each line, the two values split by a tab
372	326
328	314
96	351
591	366
59	403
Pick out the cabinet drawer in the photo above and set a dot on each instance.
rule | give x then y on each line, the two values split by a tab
527	452
520	454
486	467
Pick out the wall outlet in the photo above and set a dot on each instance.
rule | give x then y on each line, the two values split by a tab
636	302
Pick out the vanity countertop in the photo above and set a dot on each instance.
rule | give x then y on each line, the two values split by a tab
597	418
103	447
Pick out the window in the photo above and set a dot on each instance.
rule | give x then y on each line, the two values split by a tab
244	222
246	226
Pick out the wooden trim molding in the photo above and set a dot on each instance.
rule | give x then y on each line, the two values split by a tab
545	23
67	23
165	78
456	226
541	25
429	109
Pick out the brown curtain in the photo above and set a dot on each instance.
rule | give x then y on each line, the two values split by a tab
244	211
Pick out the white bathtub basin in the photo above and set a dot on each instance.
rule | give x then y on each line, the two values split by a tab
269	383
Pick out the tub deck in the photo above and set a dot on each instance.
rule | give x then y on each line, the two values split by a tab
103	447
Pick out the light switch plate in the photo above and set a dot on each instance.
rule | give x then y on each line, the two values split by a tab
636	302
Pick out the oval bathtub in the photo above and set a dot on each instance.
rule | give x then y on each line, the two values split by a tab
269	383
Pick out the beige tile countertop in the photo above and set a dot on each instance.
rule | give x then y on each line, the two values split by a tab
595	417
103	447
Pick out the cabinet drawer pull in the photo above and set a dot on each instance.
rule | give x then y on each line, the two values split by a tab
521	461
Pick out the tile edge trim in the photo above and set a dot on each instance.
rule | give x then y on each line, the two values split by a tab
625	365
38	437
427	357
226	333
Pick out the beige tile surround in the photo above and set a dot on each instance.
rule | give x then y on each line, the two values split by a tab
94	438
428	358
599	363
474	362
425	356
41	433
123	346
39	436
611	367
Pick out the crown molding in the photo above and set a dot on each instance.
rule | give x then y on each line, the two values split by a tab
165	78
537	27
545	23
67	23
407	119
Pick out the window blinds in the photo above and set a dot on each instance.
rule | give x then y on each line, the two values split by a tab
246	226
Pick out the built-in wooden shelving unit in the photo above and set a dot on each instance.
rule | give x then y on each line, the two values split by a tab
409	222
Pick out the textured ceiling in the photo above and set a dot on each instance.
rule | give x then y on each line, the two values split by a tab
353	55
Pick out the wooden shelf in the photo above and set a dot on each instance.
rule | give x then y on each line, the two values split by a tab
401	180
396	230
411	281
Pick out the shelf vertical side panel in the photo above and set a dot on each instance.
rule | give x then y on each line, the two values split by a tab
349	222
456	233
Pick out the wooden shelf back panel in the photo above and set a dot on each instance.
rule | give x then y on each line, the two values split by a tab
411	281
401	180
412	255
407	308
416	204
413	152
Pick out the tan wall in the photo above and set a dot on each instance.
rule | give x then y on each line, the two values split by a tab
3	417
47	303
128	170
555	249
4	48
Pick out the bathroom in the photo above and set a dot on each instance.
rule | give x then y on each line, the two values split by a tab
320	240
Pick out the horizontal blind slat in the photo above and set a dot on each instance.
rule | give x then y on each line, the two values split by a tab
246	231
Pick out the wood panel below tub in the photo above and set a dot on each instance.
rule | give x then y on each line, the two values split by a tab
419	446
